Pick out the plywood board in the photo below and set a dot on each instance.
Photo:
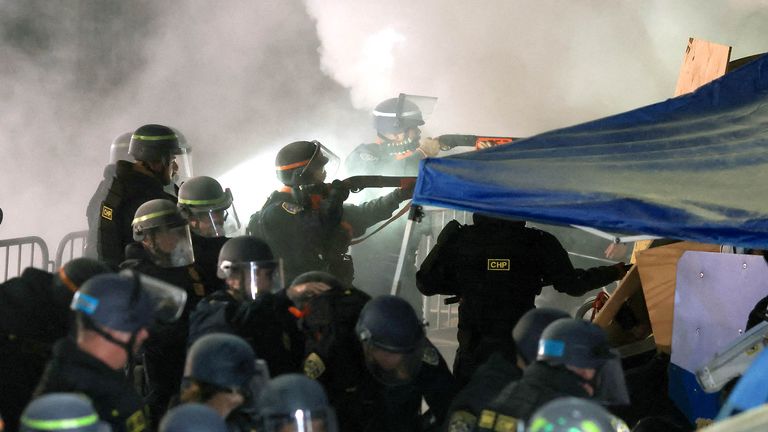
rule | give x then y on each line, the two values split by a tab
658	273
627	288
703	62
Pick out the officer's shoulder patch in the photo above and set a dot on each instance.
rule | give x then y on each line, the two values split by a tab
136	422
291	207
462	421
487	419
431	356
106	212
368	157
313	366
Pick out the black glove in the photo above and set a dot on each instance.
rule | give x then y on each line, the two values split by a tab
338	191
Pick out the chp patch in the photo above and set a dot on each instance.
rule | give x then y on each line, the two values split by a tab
313	366
292	208
106	212
431	356
368	157
498	264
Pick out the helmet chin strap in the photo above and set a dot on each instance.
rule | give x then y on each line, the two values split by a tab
126	346
400	147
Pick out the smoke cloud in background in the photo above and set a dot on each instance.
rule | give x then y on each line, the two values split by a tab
240	79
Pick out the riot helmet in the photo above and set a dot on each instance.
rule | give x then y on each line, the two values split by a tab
570	414
527	331
249	268
208	208
158	143
160	227
393	339
74	273
119	148
397	122
305	163
294	402
581	344
192	417
223	361
61	412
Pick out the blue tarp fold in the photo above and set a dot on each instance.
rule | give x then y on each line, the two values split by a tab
694	167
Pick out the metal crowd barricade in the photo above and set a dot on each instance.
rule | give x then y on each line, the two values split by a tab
70	247
16	254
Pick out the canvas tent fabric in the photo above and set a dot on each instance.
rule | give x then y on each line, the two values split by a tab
694	167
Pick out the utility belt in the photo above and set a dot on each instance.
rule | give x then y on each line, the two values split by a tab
11	342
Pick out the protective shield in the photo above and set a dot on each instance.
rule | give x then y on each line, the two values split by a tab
216	221
253	277
611	385
322	158
425	103
302	421
167	300
171	246
393	368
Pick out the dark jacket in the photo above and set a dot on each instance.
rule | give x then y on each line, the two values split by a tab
111	209
73	370
374	159
34	313
317	239
540	384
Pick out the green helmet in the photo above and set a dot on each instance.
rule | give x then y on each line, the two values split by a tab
570	414
62	412
208	207
165	233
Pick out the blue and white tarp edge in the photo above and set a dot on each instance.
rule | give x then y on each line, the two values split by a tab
694	167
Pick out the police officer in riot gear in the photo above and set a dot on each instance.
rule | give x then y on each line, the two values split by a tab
406	367
221	371
294	402
68	412
34	313
113	313
212	220
253	306
570	414
111	209
307	223
574	359
164	251
193	417
497	267
501	368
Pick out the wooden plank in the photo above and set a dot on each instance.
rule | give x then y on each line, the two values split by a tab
658	275
626	289
703	62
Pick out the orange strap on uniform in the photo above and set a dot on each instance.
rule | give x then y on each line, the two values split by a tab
66	280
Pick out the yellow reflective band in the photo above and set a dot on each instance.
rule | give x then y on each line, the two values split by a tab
152	216
154	138
60	423
203	202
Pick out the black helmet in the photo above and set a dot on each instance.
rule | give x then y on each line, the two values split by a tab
164	230
390	323
396	115
245	256
208	207
570	414
574	342
75	272
119	148
153	142
294	399
392	339
192	417
297	163
222	360
61	412
528	330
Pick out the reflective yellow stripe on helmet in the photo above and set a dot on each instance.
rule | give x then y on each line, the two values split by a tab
152	216
204	202
154	138
60	424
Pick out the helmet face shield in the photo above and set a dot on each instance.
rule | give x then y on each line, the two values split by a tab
253	277
171	246
182	166
611	388
214	222
323	159
393	368
167	300
302	421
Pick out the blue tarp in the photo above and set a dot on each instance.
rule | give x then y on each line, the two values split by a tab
694	167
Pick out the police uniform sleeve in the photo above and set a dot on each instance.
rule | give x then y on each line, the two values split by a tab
435	275
557	270
436	383
362	216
